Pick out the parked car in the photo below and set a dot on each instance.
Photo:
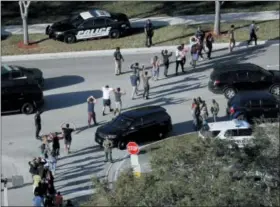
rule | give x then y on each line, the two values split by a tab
230	79
90	24
140	125
23	97
253	104
238	131
12	75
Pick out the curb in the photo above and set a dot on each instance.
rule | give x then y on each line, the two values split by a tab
103	53
116	173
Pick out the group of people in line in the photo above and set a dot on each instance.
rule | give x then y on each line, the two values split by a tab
43	167
43	184
200	113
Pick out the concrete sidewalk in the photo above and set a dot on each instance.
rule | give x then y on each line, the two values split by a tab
164	21
127	51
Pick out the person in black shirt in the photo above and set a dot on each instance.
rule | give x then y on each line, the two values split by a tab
55	145
37	119
67	132
118	61
166	56
209	44
149	31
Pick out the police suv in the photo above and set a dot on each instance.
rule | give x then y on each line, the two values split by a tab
88	25
238	131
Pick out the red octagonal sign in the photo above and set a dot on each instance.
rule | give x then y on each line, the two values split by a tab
132	148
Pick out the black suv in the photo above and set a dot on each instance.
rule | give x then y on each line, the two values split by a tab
140	125
253	104
11	74
95	23
229	79
25	98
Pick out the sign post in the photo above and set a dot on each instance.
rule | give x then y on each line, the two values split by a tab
133	150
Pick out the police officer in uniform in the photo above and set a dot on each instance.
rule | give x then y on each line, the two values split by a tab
215	109
108	145
149	31
37	119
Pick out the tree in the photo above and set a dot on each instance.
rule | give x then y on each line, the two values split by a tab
217	25
189	171
24	5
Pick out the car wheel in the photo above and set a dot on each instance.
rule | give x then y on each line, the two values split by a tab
70	38
114	34
229	93
47	30
275	90
27	108
122	145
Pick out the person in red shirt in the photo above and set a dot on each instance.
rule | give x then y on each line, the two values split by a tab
58	201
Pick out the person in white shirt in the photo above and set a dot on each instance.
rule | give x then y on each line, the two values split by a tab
253	30
179	59
106	98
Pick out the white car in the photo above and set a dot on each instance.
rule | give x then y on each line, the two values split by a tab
238	131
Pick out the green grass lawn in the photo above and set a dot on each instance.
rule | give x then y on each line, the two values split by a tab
170	35
51	11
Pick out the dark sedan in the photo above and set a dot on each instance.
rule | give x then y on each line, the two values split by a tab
10	74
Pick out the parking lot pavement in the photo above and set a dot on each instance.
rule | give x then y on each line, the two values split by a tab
68	84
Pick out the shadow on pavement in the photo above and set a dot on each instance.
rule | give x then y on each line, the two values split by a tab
62	81
64	100
81	152
81	129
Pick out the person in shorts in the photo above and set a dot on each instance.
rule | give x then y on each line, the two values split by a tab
118	94
106	98
231	38
67	133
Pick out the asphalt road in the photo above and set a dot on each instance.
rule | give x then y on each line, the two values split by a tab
68	84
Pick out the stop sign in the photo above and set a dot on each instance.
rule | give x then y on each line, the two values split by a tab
132	148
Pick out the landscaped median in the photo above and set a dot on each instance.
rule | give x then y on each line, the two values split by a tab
190	171
165	36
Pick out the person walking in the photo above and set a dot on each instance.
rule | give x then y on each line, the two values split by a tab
209	44
36	181
58	199
204	112
91	101
146	84
134	83
37	119
106	98
200	35
149	31
195	114
252	31
179	57
165	57
55	144
108	145
52	162
155	67
67	133
194	54
215	109
200	102
184	53
231	38
118	61
45	148
37	201
118	94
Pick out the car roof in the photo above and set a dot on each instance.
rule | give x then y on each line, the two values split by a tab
94	13
247	95
142	111
224	125
223	68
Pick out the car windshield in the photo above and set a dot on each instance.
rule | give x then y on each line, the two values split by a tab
76	20
121	122
7	69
